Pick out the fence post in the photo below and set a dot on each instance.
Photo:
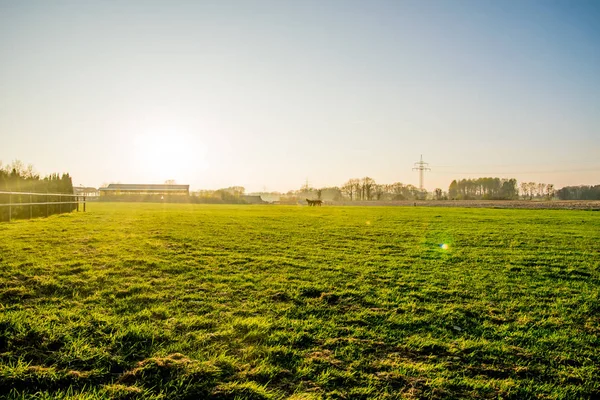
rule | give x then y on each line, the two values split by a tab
77	200
30	208
9	207
84	203
59	204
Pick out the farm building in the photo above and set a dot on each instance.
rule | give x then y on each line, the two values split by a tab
250	199
85	191
119	189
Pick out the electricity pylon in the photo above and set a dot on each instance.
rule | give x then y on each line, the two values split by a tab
421	166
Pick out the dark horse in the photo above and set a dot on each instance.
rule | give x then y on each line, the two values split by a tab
314	203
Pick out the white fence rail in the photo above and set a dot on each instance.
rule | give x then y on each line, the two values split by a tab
71	199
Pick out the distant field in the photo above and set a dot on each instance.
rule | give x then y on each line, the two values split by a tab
155	301
528	204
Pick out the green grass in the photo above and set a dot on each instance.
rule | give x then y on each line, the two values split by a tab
157	301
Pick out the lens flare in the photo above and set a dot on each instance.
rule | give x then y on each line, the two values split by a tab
444	246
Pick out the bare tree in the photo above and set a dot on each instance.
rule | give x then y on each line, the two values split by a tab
17	168
357	188
531	186
368	185
550	191
541	189
348	188
524	189
379	191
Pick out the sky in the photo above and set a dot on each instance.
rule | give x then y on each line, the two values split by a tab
269	94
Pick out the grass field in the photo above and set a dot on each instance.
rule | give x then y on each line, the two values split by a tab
157	301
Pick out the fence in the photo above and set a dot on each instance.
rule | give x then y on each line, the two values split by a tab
57	204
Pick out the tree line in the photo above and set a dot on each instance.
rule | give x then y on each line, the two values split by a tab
229	195
533	190
16	177
483	189
488	188
355	189
579	193
367	189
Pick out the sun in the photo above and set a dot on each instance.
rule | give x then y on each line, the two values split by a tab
161	157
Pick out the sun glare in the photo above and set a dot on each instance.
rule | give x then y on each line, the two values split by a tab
444	246
160	157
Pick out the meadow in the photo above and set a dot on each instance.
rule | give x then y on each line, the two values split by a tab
176	301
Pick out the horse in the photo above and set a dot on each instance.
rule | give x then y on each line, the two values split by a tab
314	203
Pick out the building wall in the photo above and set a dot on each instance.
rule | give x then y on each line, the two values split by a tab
143	192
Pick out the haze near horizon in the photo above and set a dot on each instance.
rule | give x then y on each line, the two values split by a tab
265	94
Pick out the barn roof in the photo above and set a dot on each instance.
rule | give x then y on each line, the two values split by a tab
135	186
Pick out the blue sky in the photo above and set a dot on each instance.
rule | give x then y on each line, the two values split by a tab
266	94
